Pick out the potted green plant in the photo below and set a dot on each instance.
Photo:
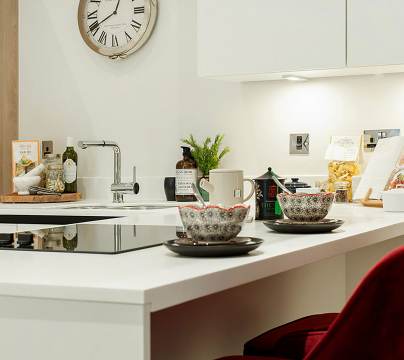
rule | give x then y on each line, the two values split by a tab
207	155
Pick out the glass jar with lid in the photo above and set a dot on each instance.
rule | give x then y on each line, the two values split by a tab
342	171
54	173
54	239
341	191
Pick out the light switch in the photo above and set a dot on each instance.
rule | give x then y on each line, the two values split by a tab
299	144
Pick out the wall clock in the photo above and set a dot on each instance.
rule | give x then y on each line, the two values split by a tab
116	28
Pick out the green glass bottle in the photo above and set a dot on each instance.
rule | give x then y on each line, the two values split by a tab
70	167
70	237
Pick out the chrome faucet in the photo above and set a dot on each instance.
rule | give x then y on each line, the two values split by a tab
118	188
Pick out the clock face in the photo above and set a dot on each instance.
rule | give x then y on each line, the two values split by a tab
116	28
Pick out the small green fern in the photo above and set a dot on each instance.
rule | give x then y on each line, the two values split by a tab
208	154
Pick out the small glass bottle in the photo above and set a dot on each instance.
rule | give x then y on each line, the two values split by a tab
342	192
70	240
70	167
54	173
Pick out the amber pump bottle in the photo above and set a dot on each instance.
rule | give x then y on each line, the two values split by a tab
186	174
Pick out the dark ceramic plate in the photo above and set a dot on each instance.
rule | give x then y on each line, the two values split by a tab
296	227
240	246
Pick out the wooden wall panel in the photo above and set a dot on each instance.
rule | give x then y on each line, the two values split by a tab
8	87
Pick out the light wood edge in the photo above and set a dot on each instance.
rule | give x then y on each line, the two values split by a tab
8	88
371	203
14	198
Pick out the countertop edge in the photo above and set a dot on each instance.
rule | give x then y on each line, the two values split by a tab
194	288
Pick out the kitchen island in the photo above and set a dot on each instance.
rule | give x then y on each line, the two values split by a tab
153	304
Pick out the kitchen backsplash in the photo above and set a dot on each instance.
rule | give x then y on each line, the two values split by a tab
151	187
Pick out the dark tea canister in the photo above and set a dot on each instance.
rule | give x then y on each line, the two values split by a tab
266	203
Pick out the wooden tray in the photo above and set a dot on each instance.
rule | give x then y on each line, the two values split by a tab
371	203
15	198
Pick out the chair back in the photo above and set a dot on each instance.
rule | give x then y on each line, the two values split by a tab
371	325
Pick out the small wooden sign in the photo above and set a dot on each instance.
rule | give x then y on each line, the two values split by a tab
32	199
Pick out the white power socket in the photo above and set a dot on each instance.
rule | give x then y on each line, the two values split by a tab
47	147
371	137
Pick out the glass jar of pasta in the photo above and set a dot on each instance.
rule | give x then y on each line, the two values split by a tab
342	172
54	173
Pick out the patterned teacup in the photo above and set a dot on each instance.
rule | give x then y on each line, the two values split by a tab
306	207
213	223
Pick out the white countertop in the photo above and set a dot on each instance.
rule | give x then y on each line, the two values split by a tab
163	279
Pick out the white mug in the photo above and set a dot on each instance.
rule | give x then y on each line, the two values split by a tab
226	187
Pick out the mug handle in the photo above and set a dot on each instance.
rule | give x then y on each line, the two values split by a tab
252	189
206	185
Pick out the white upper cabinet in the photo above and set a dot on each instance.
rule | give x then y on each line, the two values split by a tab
245	38
375	32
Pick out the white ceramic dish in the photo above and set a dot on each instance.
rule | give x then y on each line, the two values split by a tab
393	200
22	183
36	171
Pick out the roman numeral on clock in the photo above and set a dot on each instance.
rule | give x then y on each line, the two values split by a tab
128	37
114	40
103	38
92	15
136	25
138	10
94	27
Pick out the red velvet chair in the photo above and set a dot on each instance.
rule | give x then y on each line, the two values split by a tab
369	327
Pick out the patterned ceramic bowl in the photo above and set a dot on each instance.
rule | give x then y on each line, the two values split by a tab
213	223
306	207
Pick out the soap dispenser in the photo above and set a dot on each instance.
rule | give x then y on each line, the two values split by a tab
186	174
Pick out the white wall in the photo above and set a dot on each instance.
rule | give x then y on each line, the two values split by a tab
67	89
261	116
149	101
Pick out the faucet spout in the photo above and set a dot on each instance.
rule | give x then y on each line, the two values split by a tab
84	144
117	187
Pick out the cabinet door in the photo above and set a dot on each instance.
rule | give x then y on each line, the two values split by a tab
375	32
270	36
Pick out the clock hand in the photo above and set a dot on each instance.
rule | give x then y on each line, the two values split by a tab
98	25
114	13
117	5
106	18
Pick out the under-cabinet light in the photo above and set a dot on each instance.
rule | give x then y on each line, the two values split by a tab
294	78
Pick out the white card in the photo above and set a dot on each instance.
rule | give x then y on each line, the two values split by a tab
383	161
343	148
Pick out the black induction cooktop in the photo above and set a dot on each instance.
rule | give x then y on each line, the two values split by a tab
89	238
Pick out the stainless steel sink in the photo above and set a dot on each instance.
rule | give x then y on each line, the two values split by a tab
121	207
